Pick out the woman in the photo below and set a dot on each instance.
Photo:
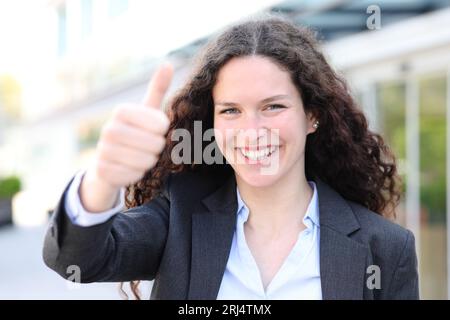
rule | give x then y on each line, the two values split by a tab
299	210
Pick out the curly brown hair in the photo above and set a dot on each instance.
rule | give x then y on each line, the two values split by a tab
343	152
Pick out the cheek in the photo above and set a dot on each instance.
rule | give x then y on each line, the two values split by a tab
292	133
222	136
219	131
289	126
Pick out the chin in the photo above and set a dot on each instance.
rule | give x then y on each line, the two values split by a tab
255	179
258	172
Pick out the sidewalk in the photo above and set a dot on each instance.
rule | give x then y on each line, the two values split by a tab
23	274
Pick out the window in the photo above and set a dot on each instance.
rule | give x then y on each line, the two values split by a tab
62	30
117	7
391	99
432	146
86	17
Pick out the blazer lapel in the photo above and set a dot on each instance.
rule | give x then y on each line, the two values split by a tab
342	259
213	225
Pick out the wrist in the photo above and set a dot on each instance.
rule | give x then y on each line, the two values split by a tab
97	195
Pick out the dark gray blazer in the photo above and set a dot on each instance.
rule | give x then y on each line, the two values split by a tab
182	240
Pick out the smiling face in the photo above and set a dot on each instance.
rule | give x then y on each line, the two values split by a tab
259	120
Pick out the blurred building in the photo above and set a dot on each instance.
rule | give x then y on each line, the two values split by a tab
398	67
401	76
102	53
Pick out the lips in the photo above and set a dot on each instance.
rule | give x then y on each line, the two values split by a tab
259	153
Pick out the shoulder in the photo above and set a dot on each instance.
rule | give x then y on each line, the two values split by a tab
357	221
392	248
387	240
376	226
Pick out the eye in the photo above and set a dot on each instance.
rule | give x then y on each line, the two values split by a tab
229	111
275	106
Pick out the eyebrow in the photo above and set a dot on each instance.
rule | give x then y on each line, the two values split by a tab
266	100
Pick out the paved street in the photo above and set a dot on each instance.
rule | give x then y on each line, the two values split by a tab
23	274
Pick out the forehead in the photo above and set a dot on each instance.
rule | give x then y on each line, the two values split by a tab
252	76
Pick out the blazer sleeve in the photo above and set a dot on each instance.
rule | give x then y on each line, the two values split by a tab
405	281
127	247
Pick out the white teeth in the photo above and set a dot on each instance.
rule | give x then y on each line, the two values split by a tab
258	154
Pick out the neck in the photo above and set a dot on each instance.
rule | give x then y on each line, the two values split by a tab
276	207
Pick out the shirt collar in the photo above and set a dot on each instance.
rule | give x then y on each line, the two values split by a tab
242	210
312	212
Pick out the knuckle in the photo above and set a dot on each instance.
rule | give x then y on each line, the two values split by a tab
165	122
156	143
117	112
120	111
108	131
104	149
160	143
100	146
152	160
159	120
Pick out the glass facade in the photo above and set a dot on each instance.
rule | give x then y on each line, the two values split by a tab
432	146
391	100
429	114
62	30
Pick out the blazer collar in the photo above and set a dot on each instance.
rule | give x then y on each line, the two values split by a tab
342	259
224	199
334	210
213	224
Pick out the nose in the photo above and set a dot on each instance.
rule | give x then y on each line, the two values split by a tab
252	121
252	129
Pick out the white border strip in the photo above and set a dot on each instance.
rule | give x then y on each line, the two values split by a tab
448	181
412	160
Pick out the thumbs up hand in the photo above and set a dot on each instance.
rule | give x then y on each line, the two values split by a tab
129	145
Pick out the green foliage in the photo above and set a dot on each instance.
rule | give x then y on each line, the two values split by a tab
432	138
433	148
9	186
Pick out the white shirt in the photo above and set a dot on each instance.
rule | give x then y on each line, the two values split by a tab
298	277
81	217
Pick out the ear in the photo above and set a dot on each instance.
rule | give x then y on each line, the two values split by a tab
311	120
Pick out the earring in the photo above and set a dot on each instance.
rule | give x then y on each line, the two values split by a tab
316	125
